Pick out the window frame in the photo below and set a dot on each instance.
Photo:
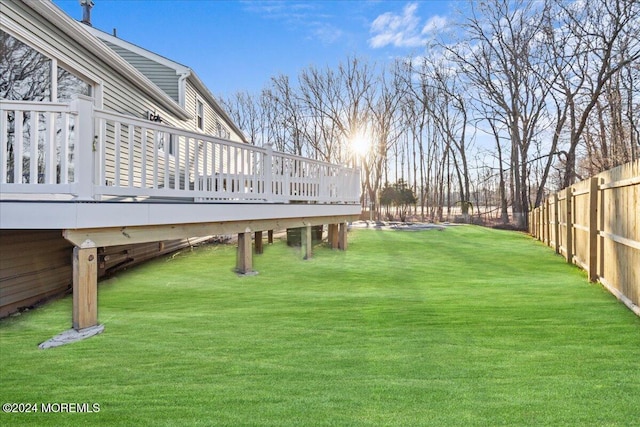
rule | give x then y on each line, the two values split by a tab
57	60
200	114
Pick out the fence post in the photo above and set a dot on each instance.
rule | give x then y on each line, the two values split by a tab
593	229
569	210
556	224
601	227
541	223
84	162
547	220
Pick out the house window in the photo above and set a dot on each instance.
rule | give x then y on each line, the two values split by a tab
70	85
222	131
28	74
200	114
168	142
32	76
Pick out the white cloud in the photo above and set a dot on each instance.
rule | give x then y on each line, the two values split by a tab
397	30
434	24
326	33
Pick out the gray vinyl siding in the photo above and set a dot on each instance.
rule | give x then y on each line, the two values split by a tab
164	77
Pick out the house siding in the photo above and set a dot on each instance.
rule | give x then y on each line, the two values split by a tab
119	94
211	118
35	265
164	77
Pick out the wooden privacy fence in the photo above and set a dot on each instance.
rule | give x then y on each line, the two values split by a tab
596	225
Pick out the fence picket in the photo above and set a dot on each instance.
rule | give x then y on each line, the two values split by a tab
602	219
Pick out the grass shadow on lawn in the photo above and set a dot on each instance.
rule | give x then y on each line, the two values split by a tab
467	326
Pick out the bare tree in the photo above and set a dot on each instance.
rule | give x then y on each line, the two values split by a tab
500	56
246	113
595	41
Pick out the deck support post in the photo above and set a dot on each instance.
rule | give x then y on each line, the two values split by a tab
258	242
342	236
307	242
333	236
244	258
270	237
85	287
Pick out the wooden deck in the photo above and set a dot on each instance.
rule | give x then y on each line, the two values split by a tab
105	179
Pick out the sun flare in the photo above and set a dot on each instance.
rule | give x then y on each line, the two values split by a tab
360	144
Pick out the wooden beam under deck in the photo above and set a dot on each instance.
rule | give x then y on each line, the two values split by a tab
113	236
86	240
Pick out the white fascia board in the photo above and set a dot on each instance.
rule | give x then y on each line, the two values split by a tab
79	32
81	215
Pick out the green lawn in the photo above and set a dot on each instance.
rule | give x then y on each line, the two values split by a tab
467	326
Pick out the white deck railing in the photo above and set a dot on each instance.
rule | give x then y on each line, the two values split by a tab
87	154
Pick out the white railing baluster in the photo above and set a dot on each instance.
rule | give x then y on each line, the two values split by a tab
49	149
18	147
215	177
4	144
156	155
196	165
130	154
174	143
117	135
143	149
228	170
64	148
205	167
219	176
166	168
187	164
34	137
85	156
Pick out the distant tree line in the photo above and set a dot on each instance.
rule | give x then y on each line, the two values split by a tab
518	99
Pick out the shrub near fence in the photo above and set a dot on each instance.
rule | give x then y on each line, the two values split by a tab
596	225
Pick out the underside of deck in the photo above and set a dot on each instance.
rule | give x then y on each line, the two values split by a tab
92	226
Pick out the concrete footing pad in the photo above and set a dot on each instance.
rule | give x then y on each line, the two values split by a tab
246	274
71	336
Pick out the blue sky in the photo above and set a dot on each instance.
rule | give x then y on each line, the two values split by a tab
238	45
